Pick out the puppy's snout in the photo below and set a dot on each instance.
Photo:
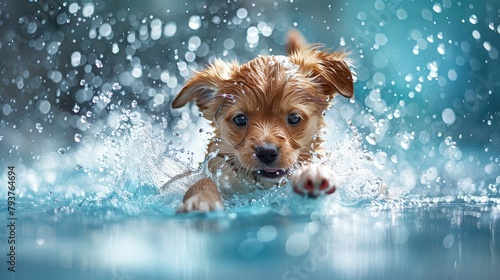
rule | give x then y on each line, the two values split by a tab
266	153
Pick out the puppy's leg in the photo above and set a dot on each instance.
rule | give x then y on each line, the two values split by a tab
313	180
202	196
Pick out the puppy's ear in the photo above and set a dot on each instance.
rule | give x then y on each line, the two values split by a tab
295	41
334	74
203	88
330	70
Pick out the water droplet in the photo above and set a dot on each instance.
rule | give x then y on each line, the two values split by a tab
76	59
73	8
115	49
117	86
32	27
447	140
473	19
394	158
88	9
448	116
78	137
370	138
405	144
105	30
491	25
381	39
53	48
76	108
170	29
194	22
61	151
437	8
242	13
98	63
476	34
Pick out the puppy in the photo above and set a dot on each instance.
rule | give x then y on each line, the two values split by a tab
267	115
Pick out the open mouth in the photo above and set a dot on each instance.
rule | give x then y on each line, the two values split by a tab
272	173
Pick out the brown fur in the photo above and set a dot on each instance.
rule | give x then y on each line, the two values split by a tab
267	90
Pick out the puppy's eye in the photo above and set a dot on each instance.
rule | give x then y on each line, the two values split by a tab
240	120
293	119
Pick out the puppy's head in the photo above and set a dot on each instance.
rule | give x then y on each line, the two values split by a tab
267	113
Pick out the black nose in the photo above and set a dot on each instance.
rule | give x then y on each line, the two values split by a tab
266	153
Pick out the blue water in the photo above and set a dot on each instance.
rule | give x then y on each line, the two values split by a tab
87	128
430	241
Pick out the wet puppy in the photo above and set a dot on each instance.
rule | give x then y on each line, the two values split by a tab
267	115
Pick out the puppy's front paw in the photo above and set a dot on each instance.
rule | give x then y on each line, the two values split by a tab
202	196
313	180
200	202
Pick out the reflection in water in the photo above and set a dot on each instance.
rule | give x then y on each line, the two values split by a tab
417	243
